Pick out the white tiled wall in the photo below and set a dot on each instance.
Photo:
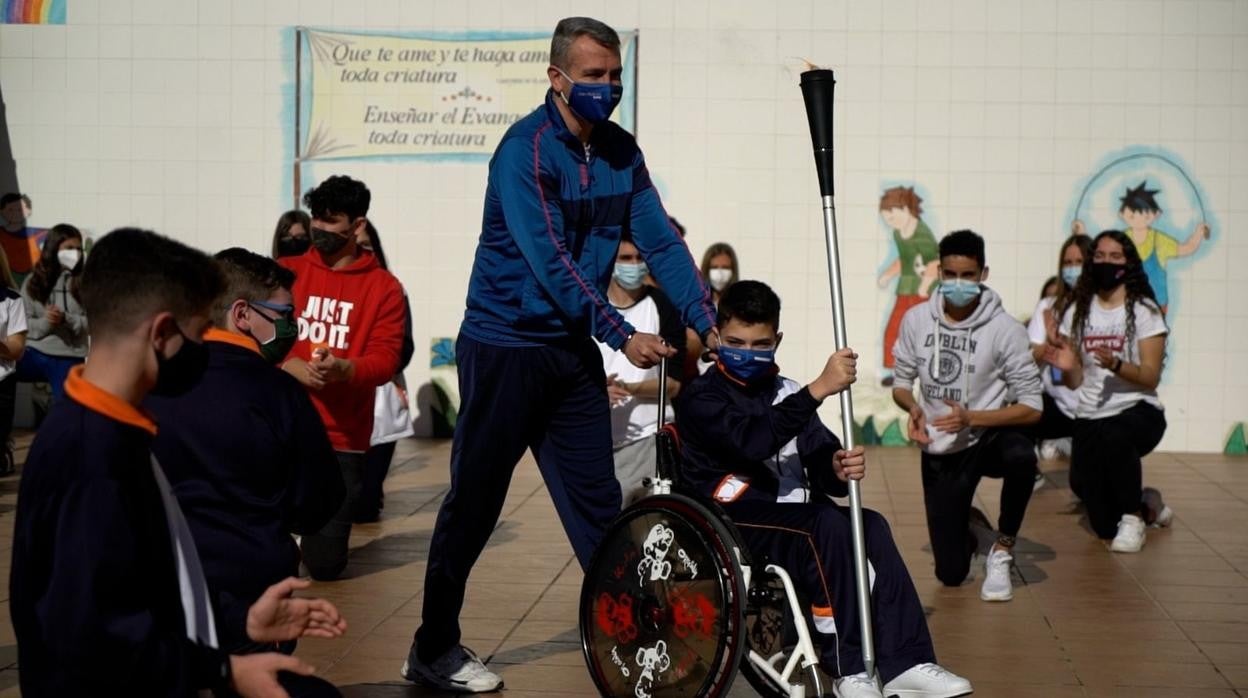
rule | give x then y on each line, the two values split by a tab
168	114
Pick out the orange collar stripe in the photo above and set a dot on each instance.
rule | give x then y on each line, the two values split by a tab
215	334
96	399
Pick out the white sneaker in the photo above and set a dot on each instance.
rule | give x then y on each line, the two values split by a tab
1163	515
1039	483
997	585
1063	446
856	686
928	681
458	670
1049	450
1130	536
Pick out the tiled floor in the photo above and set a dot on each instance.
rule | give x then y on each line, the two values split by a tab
1169	621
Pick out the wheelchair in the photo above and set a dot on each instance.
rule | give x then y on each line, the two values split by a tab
673	603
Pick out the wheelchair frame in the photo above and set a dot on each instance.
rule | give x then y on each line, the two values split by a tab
803	656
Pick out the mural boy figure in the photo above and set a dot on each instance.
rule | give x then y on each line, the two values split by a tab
1139	210
915	266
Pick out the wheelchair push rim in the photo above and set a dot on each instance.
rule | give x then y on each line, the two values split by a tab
663	602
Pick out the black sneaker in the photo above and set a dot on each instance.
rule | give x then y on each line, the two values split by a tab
457	670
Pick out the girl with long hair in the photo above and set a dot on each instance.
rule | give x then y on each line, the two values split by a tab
1111	349
720	270
1059	401
58	325
291	236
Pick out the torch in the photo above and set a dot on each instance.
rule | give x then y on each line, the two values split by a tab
817	86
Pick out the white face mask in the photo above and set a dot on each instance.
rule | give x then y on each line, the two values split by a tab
719	278
69	258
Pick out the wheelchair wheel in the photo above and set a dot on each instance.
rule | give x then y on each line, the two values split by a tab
663	603
770	631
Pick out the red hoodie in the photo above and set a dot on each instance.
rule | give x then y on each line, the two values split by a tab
357	313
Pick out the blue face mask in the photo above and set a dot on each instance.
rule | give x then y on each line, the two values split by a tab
1070	274
631	276
747	364
593	102
960	293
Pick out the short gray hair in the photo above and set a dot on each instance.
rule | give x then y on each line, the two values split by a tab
570	29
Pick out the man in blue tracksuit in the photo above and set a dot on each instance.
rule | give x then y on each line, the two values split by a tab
564	184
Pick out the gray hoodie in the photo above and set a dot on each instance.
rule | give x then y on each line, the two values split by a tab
69	339
984	362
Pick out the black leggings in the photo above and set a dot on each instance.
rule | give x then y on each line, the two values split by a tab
376	466
949	482
1105	468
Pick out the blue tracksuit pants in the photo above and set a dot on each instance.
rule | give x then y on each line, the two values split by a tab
551	399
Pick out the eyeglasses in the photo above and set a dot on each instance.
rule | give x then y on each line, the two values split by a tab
282	309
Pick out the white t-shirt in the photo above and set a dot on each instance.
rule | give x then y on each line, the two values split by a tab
12	321
1067	400
1102	393
635	418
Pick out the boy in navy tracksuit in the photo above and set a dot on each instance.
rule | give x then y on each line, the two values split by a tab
245	450
564	184
107	593
752	441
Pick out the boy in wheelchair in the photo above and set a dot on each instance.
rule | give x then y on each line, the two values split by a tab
753	442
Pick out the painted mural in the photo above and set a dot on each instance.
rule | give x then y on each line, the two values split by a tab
914	263
1149	193
32	11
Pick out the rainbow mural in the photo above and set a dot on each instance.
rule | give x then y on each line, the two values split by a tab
32	11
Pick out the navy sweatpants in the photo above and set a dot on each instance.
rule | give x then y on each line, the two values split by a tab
813	543
551	399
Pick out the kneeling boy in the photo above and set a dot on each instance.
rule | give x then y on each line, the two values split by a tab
753	441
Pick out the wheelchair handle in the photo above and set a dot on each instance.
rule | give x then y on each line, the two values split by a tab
662	392
667	451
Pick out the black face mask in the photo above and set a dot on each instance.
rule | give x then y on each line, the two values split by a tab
182	371
293	247
1107	276
327	242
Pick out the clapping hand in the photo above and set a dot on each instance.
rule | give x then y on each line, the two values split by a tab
916	426
955	420
617	390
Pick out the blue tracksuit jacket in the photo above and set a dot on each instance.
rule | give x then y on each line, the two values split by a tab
554	212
